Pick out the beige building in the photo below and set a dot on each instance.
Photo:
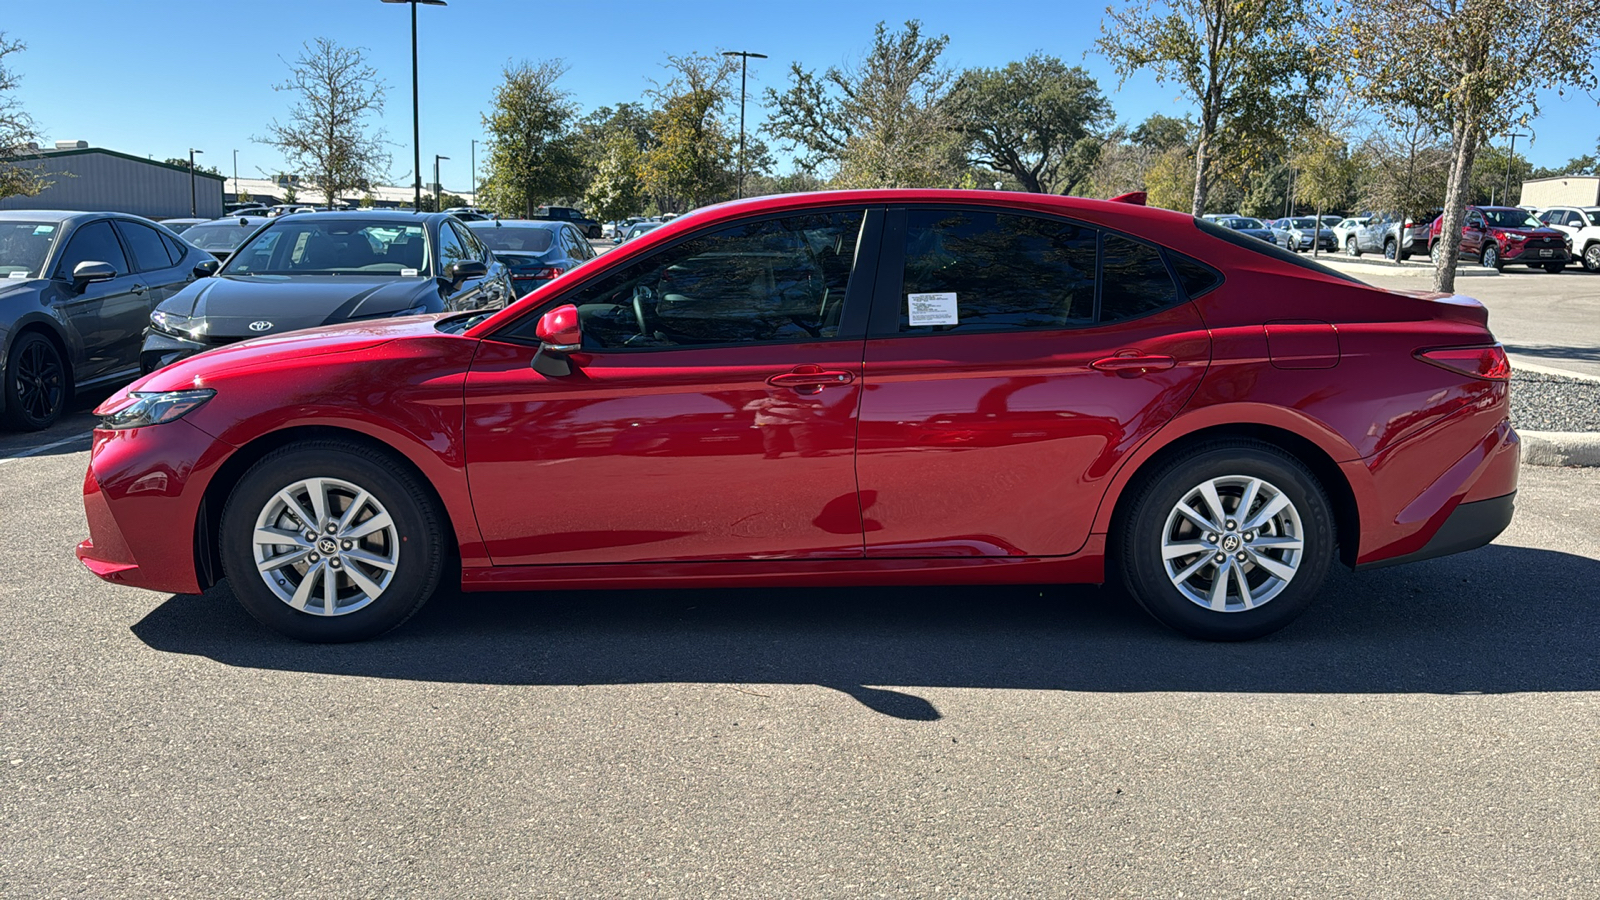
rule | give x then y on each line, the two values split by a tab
269	191
1562	190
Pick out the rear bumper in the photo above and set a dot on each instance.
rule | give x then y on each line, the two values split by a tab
1471	526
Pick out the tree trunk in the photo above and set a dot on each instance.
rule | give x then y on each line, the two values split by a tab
1316	233
1202	166
1455	206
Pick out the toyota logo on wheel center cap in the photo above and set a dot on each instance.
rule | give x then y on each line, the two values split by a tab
260	326
1230	543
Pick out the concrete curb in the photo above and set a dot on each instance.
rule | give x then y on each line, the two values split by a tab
1560	448
1519	364
1357	266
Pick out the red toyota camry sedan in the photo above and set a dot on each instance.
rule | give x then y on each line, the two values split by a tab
855	388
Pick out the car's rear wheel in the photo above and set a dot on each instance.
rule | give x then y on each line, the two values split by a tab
1228	542
36	383
1591	258
1491	258
330	541
1389	250
1350	247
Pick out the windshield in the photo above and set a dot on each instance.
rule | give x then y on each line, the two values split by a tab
23	248
1511	218
225	235
1305	222
516	238
1244	223
337	247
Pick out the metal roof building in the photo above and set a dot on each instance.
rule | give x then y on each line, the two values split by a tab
95	179
270	191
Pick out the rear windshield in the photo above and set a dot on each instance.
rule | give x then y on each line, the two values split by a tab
516	238
226	235
317	246
23	248
1266	249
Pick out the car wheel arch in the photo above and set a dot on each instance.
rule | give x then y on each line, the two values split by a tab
208	555
1180	437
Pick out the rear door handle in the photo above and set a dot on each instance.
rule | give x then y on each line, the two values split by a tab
1134	365
812	377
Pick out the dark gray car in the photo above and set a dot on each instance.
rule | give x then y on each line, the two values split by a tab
310	269
76	291
536	251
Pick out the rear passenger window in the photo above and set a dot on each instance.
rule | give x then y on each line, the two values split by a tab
149	252
969	270
1136	280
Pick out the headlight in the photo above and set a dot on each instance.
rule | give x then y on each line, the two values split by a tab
1519	238
169	323
155	408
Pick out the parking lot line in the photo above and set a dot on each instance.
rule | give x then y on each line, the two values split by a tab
37	450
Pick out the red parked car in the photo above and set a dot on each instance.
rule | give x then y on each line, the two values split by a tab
854	388
1501	235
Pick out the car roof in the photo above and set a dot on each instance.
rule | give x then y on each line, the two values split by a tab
62	216
370	215
492	224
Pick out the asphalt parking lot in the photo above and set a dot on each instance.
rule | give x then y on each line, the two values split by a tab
1425	731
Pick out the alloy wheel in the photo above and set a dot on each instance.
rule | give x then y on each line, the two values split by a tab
1232	543
1491	257
1350	247
1591	258
40	380
325	546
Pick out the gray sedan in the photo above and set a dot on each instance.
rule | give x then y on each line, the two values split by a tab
76	291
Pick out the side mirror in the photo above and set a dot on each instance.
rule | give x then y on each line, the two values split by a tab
89	271
207	268
559	334
465	270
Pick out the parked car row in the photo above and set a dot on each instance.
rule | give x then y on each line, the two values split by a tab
1497	236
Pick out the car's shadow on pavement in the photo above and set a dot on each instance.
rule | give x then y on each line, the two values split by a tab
1497	620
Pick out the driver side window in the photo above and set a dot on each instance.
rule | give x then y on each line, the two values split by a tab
774	280
94	242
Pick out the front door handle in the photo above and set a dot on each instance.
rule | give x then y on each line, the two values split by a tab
1129	365
138	289
810	379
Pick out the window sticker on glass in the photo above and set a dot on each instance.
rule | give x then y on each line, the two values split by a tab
932	309
408	273
20	273
44	229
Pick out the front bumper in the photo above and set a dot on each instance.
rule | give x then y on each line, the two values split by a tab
1515	252
161	350
1469	527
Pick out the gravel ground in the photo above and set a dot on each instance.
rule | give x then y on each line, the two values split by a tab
1553	403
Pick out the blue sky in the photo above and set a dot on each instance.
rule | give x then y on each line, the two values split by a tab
157	78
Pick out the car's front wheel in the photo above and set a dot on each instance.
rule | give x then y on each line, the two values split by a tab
36	385
1350	247
330	541
1554	268
1229	542
1491	257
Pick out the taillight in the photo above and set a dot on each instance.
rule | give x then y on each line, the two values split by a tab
537	274
1487	363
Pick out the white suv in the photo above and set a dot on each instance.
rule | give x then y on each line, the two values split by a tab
1582	226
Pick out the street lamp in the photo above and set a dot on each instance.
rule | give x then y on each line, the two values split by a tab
1513	152
236	176
416	126
192	203
744	64
436	191
474	171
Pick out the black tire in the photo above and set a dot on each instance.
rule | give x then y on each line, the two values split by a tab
1391	251
417	535
594	233
1591	258
36	383
1143	529
1554	268
1491	258
1350	246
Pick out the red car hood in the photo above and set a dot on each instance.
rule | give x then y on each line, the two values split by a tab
343	338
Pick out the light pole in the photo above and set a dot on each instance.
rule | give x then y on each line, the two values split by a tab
744	64
236	176
436	191
474	171
192	203
1506	196
416	122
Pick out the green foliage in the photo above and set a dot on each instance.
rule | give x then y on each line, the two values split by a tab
17	176
1249	65
615	191
1588	164
882	122
327	137
1037	120
1453	66
290	195
1169	182
183	163
1403	169
1488	181
533	155
691	161
1325	172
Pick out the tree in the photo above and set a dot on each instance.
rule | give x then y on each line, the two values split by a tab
1037	120
1129	156
1402	168
1324	173
691	161
615	191
1247	64
531	150
1457	65
1488	182
1588	164
183	163
17	133
881	123
328	138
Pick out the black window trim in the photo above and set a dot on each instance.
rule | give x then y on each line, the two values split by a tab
885	322
127	255
858	297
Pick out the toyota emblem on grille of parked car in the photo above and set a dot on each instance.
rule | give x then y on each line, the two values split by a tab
260	326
